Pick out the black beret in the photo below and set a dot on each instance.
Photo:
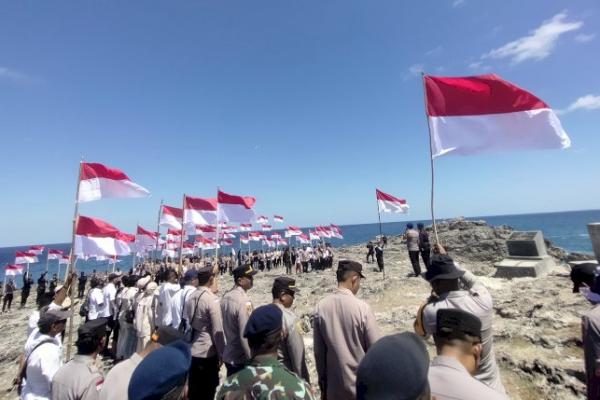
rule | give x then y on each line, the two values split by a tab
394	368
349	265
95	327
442	267
284	283
165	335
244	270
264	320
453	323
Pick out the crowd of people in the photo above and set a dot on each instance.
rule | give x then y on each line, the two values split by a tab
169	334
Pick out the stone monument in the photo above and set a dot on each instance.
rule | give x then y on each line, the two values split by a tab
527	256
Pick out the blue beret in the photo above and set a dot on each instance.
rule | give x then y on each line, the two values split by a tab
263	320
160	371
190	274
395	367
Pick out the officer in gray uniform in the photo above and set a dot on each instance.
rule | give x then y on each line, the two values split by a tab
458	344
236	308
80	378
291	350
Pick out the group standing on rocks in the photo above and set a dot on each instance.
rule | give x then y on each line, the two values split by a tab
169	335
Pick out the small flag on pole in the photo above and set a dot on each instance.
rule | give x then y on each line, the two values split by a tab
13	270
197	210
54	254
25	257
37	250
171	217
277	218
389	203
234	208
99	181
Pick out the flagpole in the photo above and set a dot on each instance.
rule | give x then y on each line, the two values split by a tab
71	266
181	237
218	228
47	254
378	213
158	228
430	159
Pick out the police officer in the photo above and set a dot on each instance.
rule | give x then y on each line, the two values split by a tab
236	308
265	376
291	350
344	329
458	344
80	378
208	339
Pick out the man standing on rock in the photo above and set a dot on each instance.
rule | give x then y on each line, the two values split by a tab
27	282
424	245
379	256
236	308
590	334
445	279
344	329
412	243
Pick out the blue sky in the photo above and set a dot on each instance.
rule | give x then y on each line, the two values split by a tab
307	105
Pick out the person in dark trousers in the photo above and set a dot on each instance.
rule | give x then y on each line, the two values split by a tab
424	245
379	256
81	285
27	282
9	292
41	288
370	251
287	260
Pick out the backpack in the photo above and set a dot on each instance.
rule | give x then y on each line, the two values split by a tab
18	381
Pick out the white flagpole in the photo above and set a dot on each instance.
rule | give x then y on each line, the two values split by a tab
181	237
218	229
431	159
158	228
47	254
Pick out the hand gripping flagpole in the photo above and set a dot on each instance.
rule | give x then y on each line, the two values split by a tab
437	240
71	267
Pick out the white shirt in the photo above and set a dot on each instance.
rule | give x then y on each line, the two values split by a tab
110	293
177	304
165	298
42	364
95	303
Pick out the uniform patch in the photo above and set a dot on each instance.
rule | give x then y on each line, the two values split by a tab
99	384
248	308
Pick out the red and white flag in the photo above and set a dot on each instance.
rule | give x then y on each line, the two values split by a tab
266	228
389	203
323	232
37	250
226	242
302	239
231	229
145	238
54	254
171	217
312	235
244	239
269	243
261	219
245	227
276	236
13	270
336	234
63	260
292	231
227	235
254	236
169	253
281	242
207	231
335	227
235	208
197	210
25	257
99	181
277	218
477	114
95	237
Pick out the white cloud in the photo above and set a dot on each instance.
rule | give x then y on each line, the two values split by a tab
479	66
583	37
539	44
434	52
458	3
587	102
414	71
12	75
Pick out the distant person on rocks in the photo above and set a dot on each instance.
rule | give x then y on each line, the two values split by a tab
287	260
446	280
590	334
394	368
424	245
81	285
27	283
370	252
291	350
236	308
80	378
412	243
344	329
53	283
116	382
379	256
41	287
458	344
264	377
9	292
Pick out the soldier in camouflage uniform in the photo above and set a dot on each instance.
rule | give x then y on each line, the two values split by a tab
264	378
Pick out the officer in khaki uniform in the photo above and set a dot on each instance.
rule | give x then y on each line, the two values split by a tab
344	329
458	344
291	351
208	339
80	378
236	308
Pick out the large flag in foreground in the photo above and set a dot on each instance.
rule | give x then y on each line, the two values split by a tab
477	114
95	237
98	181
197	210
389	203
145	238
171	217
235	208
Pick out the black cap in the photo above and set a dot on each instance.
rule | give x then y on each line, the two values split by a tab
455	324
190	275
206	272
284	283
264	320
166	335
244	270
95	327
349	265
442	267
394	368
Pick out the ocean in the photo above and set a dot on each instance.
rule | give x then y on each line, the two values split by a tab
564	229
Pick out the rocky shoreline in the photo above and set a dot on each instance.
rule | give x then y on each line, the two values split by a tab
536	326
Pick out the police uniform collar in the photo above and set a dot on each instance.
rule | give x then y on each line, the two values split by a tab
448	362
344	291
